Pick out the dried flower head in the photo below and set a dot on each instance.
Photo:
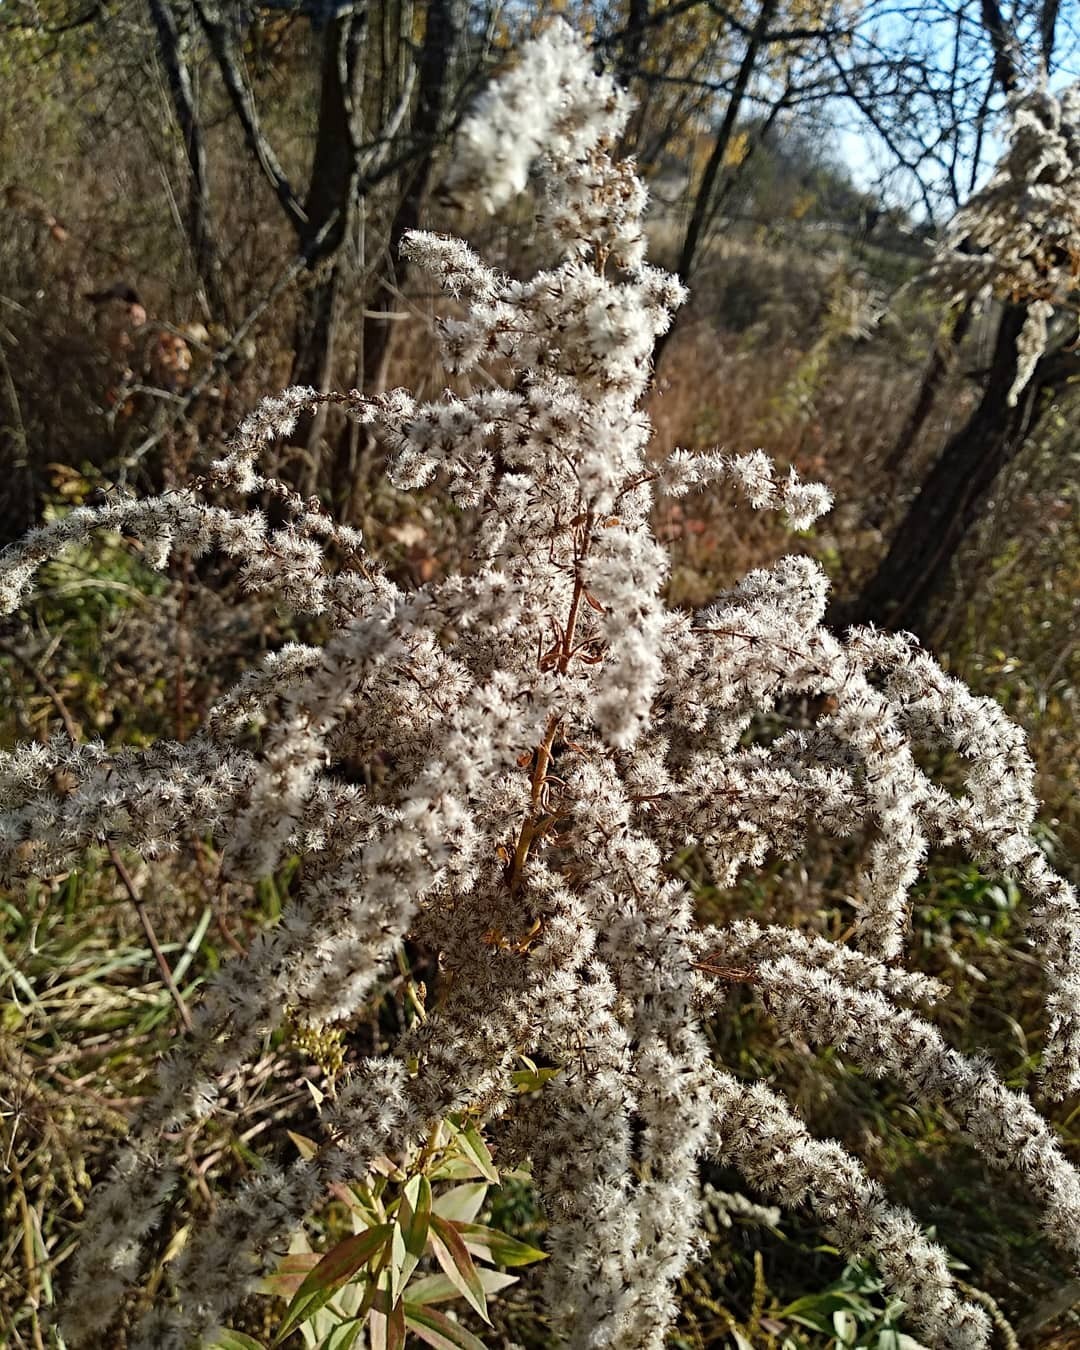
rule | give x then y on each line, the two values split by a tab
1018	238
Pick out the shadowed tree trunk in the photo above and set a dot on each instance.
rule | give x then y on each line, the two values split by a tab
957	489
705	204
328	211
441	36
955	492
942	360
436	55
204	250
348	164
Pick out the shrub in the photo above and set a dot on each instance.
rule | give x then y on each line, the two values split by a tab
548	735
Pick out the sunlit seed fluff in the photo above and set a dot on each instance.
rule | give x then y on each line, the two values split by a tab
1018	238
549	735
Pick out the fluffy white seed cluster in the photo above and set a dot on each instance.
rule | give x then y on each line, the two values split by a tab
1019	237
549	734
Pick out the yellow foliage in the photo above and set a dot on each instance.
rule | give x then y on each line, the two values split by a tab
738	148
802	203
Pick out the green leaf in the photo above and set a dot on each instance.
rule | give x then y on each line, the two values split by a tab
344	1336
194	942
816	1310
438	1289
531	1080
302	1309
453	1167
473	1146
346	1257
413	1217
452	1254
497	1247
236	1340
438	1330
338	1265
462	1202
395	1263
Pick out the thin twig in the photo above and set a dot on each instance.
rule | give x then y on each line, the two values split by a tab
50	690
72	729
148	929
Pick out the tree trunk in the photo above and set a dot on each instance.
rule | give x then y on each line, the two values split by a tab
955	492
328	210
942	360
181	91
704	204
441	34
433	68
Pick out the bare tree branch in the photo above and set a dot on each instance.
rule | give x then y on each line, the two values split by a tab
200	231
222	45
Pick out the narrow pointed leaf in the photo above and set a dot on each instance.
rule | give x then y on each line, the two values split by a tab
395	1327
396	1263
344	1259
307	1148
462	1203
498	1248
338	1265
455	1168
472	1144
236	1340
413	1217
344	1337
452	1254
531	1080
302	1309
438	1289
438	1330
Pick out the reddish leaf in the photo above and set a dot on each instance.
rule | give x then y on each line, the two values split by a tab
438	1330
452	1254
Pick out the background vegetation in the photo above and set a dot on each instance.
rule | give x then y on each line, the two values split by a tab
202	203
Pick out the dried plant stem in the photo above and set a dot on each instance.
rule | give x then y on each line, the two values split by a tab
531	825
128	884
46	687
72	729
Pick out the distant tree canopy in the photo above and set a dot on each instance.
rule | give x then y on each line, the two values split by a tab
796	173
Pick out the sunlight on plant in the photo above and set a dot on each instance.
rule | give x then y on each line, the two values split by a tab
414	1243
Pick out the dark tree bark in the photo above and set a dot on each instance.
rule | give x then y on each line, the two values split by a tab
343	172
704	204
996	29
633	41
335	168
204	250
942	360
220	39
328	210
955	492
436	55
628	63
441	36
